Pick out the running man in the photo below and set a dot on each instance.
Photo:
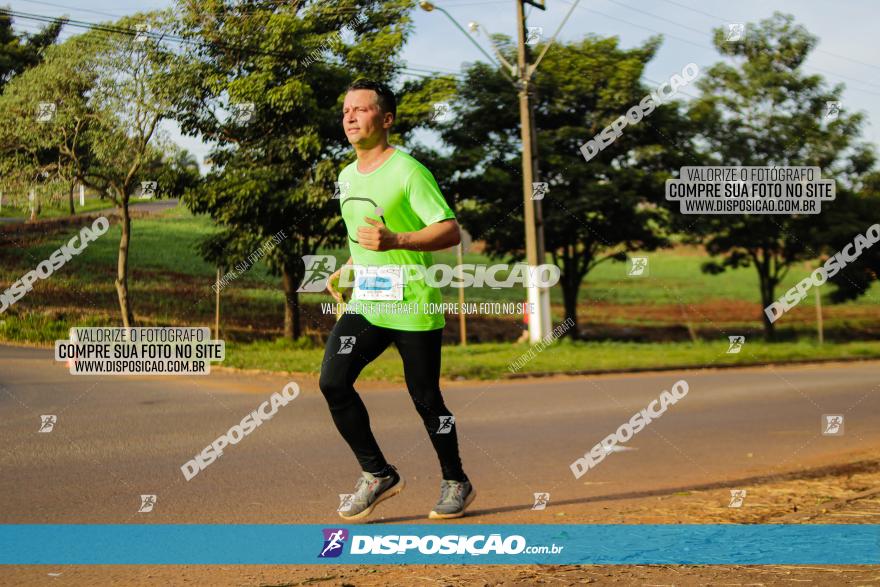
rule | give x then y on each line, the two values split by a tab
395	215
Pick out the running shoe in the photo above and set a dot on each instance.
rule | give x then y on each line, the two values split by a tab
455	496
369	492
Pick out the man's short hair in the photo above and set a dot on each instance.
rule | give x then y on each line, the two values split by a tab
387	101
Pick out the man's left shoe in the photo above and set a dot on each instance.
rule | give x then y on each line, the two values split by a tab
455	497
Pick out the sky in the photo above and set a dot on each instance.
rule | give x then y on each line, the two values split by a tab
848	51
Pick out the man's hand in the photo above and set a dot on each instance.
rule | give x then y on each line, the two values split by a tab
332	281
376	237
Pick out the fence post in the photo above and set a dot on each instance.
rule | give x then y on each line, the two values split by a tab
217	308
462	323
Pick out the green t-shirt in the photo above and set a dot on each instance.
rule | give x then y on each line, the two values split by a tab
408	199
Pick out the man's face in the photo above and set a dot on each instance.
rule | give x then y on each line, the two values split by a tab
363	121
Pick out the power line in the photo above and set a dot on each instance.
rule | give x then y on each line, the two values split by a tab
483	3
678	24
717	18
435	72
703	46
148	34
415	71
436	69
649	29
74	8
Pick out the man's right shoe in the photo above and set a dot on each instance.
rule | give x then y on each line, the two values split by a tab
455	497
371	491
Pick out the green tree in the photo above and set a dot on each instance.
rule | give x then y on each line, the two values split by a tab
174	170
110	89
22	172
264	83
20	52
763	110
594	211
851	218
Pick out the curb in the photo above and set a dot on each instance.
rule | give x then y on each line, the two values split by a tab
700	367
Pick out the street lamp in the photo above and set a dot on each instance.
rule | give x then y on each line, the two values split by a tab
429	7
474	27
538	297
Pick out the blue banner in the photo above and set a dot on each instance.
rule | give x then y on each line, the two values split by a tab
178	544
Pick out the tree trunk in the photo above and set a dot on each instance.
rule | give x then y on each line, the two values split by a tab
767	290
289	281
35	206
122	267
571	284
569	295
70	198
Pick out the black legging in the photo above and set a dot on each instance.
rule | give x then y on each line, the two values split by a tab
420	352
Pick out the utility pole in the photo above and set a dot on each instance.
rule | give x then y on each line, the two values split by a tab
538	297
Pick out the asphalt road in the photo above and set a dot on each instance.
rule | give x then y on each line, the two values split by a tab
118	437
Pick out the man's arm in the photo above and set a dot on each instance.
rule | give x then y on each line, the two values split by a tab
334	278
434	237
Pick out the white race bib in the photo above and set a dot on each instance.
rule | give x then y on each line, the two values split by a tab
378	283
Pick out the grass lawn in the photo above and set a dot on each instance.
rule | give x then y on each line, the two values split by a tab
167	243
171	285
492	360
55	211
